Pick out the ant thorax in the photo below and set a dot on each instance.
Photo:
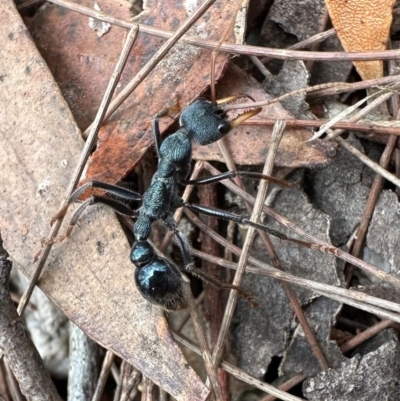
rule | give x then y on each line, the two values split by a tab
175	156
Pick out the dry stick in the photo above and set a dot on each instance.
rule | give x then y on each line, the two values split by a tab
105	371
365	335
83	365
286	386
366	160
350	87
274	256
148	386
256	61
373	197
262	191
156	58
378	127
205	350
4	386
129	379
28	3
301	91
13	385
315	242
115	373
229	28
162	396
319	37
81	163
362	113
385	309
241	375
281	54
315	45
185	314
21	355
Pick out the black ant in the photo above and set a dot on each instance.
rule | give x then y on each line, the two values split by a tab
157	278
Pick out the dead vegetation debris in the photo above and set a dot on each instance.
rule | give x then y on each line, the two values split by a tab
55	65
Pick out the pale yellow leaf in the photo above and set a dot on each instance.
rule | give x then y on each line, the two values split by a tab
363	25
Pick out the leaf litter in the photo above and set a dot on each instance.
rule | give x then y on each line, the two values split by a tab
331	219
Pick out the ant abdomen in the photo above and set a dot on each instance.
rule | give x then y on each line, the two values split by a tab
157	279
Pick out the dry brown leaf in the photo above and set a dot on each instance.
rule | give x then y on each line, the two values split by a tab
80	60
249	144
183	74
363	25
89	276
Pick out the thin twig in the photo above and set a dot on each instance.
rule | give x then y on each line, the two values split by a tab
105	371
13	385
353	86
304	44
147	393
205	350
316	243
129	379
365	335
377	127
156	58
282	54
83	368
373	196
286	386
383	308
269	164
81	163
241	375
20	353
370	163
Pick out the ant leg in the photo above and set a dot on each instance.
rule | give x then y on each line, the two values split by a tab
117	206
232	174
157	135
120	192
184	246
242	220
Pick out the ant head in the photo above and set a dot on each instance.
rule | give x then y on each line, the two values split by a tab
207	122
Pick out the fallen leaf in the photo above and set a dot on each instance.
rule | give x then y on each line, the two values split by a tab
89	277
181	76
249	144
80	61
363	25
